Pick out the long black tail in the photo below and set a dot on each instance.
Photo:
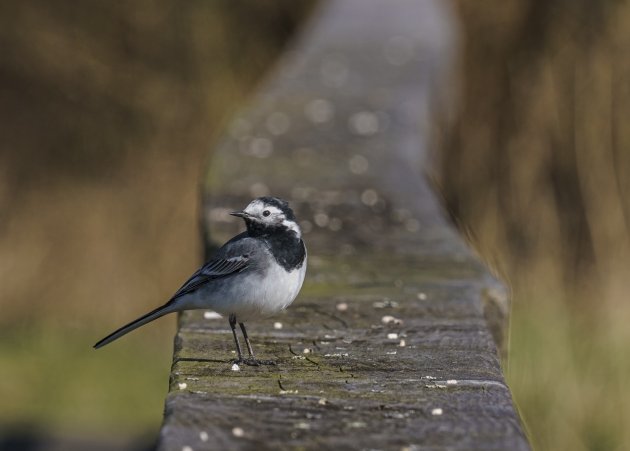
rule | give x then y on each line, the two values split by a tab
155	314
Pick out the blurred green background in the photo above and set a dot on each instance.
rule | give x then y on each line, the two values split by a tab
108	112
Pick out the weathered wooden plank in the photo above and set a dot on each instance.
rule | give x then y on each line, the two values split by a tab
388	346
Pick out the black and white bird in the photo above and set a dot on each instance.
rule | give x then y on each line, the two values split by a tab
255	274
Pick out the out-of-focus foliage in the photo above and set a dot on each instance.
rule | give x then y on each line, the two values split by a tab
537	171
107	115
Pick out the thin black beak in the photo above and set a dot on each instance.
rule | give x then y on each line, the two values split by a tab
240	214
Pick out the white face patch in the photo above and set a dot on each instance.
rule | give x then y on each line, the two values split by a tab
292	225
258	209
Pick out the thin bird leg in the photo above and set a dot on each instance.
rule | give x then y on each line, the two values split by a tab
249	345
232	320
252	360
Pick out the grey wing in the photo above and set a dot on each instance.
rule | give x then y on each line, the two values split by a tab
232	258
214	269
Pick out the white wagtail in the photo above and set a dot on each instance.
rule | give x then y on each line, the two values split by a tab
255	274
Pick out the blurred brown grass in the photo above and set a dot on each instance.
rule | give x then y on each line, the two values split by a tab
537	173
108	112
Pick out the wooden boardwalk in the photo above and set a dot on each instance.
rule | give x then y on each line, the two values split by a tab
393	342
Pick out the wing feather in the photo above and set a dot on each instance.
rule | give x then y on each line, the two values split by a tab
212	270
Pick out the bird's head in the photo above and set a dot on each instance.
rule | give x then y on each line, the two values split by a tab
268	215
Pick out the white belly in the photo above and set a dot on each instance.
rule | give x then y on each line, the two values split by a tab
257	295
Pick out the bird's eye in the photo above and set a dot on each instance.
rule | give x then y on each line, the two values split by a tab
266	213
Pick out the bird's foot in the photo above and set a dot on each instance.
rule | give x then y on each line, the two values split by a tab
253	362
